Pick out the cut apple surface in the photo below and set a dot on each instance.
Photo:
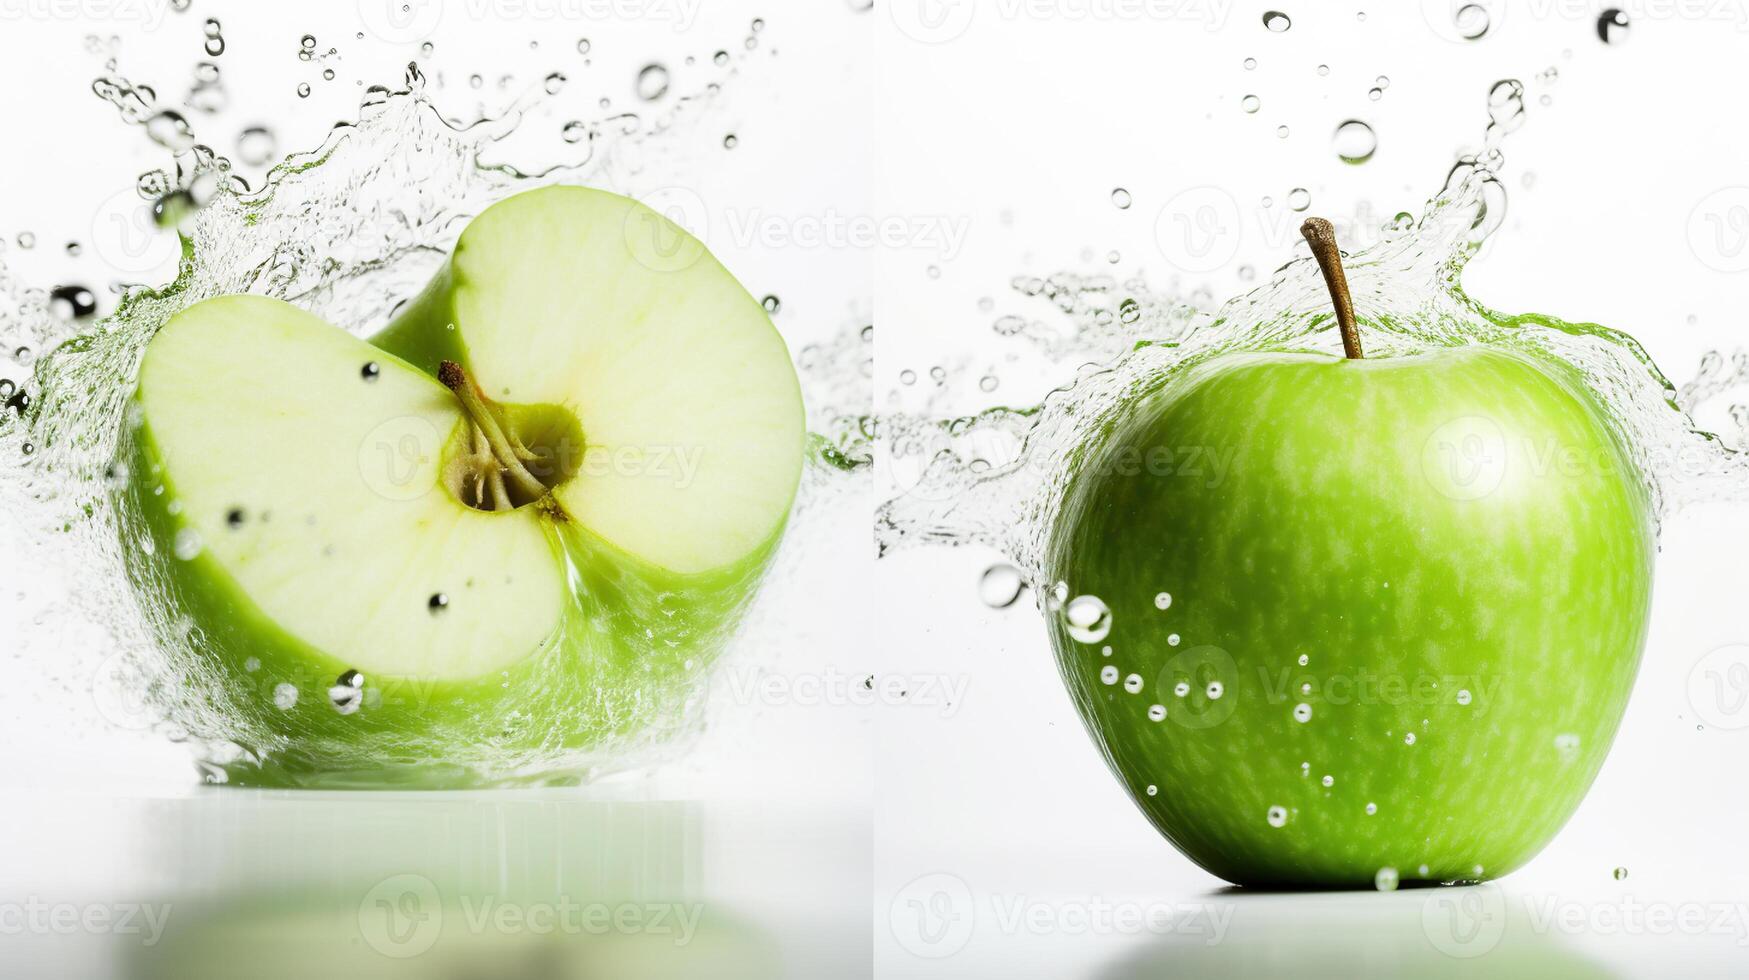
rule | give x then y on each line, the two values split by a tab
518	526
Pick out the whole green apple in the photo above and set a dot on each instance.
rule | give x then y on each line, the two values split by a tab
1386	627
506	539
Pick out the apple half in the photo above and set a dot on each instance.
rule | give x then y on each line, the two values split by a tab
500	543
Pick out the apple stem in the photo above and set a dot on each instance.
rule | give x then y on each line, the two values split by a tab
504	450
1321	235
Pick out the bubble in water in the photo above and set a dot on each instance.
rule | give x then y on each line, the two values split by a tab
1385	880
554	83
1382	81
72	302
1408	738
345	698
1304	660
1276	21
988	383
1108	674
1463	697
1181	689
215	46
1087	618
1000	585
1620	873
1302	712
1567	744
1323	70
772	304
285	697
303	90
1372	808
1375	94
907	377
187	544
652	82
720	59
1251	103
1133	683
1299	199
1215	690
1163	600
1281	132
1250	64
1328	780
1471	21
1157	712
582	45
170	130
256	146
1612	26
1277	816
1355	141
574	131
731	141
1120	198
437	603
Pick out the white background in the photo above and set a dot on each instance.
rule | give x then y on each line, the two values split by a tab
1013	122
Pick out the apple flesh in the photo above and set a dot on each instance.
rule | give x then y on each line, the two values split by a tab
1390	619
378	576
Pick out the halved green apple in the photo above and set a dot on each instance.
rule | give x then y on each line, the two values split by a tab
501	543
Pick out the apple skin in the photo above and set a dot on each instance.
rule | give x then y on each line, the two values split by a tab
1414	526
587	687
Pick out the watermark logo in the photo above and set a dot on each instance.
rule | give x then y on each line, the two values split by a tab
400	21
119	690
1197	678
402	916
670	239
1718	687
126	236
1718	230
932	21
1462	21
933	917
1464	922
1199	229
398	458
1466	458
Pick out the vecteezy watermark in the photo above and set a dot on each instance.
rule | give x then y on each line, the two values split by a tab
749	686
1202	229
936	915
406	915
1718	230
1469	457
657	245
36	917
1472	921
126	236
1369	687
941	21
149	14
1718	687
406	21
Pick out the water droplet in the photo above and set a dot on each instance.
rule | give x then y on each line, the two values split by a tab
1328	780
1372	808
731	141
582	45
1620	874
1408	738
1163	600
1157	712
1302	712
1277	816
1471	21
1108	674
303	90
1463	697
1355	142
1087	618
555	83
1323	70
72	302
187	544
1299	199
1120	198
1382	81
652	82
1385	880
574	131
1612	26
170	130
1375	94
234	518
285	697
1000	586
252	665
1152	789
1181	689
772	304
215	46
1251	103
345	698
1304	660
308	42
256	146
987	383
1250	64
1173	639
1567	744
1133	683
1276	21
720	59
1215	690
437	603
1281	132
907	377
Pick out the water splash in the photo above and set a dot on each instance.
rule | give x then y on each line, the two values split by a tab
348	230
995	478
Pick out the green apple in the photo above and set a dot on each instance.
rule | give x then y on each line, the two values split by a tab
503	540
1388	620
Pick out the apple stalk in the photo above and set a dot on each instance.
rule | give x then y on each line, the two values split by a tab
1321	235
497	455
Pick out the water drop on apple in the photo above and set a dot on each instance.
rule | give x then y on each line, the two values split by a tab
1108	674
1277	816
1163	600
1133	683
1000	586
1302	713
1385	880
1157	712
1087	618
